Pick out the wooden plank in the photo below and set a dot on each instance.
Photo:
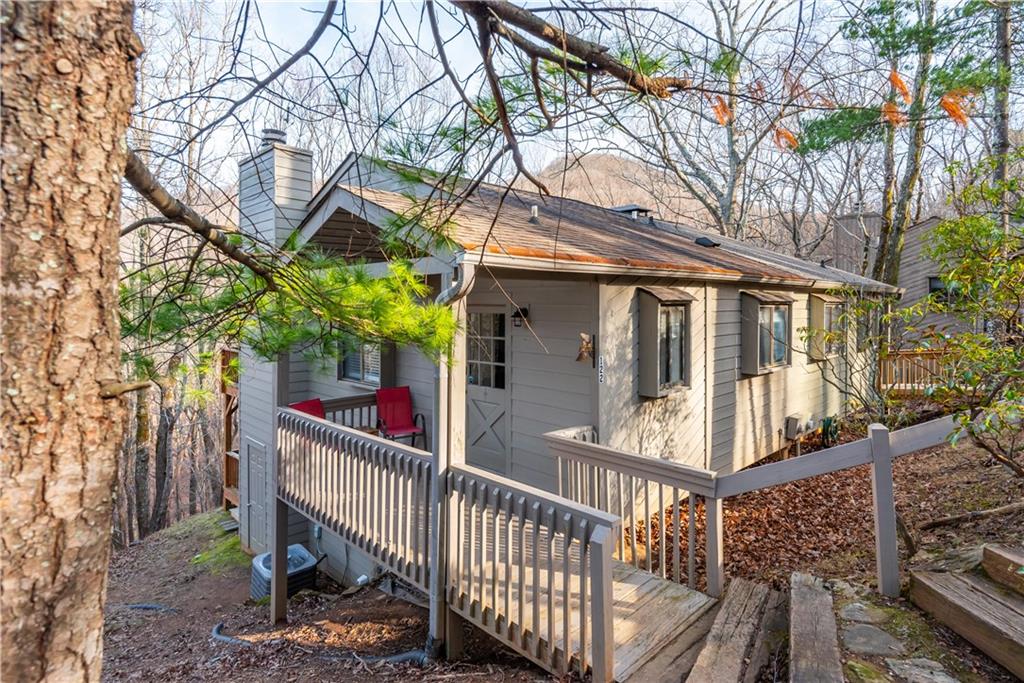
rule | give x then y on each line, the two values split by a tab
1004	565
728	644
813	640
673	661
988	616
771	635
794	469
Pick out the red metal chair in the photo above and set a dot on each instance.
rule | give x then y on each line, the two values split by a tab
313	406
394	416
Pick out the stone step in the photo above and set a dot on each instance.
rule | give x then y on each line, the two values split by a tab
988	615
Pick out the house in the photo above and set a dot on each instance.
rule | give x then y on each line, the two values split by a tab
856	244
681	354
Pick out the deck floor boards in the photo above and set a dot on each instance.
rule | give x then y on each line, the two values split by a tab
649	613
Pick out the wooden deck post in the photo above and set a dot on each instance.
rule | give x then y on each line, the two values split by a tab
887	559
715	550
279	562
602	664
449	426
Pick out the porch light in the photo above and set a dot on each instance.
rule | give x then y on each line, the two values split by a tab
519	315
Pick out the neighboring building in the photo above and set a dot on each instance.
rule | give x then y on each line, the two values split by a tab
697	352
856	246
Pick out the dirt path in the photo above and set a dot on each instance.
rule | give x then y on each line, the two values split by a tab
199	577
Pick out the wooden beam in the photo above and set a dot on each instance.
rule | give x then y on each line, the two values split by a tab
813	639
715	550
279	563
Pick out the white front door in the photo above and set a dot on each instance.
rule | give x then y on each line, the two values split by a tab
487	427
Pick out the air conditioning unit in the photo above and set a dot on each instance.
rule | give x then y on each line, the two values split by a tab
794	427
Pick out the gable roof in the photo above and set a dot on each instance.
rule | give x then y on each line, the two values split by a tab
571	235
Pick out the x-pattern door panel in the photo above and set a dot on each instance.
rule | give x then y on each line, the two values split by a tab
486	389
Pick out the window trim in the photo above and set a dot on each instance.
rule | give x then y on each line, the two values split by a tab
684	343
787	345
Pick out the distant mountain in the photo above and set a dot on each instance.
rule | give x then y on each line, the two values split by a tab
607	180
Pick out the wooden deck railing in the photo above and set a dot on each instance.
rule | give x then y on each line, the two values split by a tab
359	410
589	464
372	492
633	487
532	569
910	371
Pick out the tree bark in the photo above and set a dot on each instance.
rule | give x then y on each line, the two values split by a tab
1002	113
140	469
68	76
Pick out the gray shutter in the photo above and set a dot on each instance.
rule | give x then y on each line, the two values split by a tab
388	365
749	338
648	344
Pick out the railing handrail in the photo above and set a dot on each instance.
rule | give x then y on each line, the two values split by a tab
693	479
560	504
353	401
357	433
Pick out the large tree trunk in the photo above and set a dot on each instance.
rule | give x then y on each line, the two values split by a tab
68	78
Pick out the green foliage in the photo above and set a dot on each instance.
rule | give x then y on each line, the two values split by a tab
981	265
843	125
727	63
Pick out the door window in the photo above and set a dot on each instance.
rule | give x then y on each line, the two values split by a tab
486	342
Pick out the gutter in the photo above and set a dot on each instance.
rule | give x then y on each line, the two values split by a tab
441	424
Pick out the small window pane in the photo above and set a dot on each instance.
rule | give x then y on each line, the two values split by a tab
474	373
675	357
663	350
499	324
486	327
499	351
780	334
499	376
485	375
764	336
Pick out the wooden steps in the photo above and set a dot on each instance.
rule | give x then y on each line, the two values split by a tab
1004	565
987	614
813	638
749	626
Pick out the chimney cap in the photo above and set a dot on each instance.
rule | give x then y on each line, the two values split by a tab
273	136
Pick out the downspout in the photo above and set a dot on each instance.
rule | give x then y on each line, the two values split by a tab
465	274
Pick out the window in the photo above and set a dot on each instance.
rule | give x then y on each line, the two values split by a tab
941	290
673	335
663	342
773	336
486	350
765	331
362	365
833	328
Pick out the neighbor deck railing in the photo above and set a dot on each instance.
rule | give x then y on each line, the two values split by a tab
372	492
910	371
584	468
633	487
532	569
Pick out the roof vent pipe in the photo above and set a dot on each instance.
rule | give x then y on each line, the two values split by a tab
534	214
271	136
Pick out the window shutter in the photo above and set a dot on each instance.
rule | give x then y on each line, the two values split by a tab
648	344
387	365
750	338
816	340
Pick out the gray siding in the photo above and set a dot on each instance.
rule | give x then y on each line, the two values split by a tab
274	187
748	413
547	387
671	427
916	268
